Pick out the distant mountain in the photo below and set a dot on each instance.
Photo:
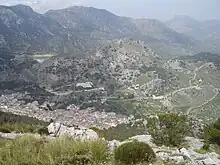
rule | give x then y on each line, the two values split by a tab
170	42
83	30
184	24
100	25
24	31
207	32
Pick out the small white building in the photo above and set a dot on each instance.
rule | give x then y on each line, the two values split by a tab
86	85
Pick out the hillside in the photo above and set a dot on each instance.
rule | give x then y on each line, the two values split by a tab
82	56
205	31
118	78
182	85
77	30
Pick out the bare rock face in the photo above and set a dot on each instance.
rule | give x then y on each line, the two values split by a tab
57	129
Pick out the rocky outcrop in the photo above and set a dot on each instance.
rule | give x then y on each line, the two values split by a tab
178	155
113	145
9	136
57	129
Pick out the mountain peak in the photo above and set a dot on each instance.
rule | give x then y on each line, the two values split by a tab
184	17
23	8
184	20
82	9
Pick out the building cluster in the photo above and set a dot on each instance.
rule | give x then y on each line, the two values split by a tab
70	116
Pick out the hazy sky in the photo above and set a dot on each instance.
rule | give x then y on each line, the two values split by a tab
160	9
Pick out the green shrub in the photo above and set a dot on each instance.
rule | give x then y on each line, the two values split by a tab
29	150
100	132
3	142
213	132
99	151
168	129
122	131
217	149
134	152
202	151
22	150
42	131
9	118
206	146
5	130
23	128
75	160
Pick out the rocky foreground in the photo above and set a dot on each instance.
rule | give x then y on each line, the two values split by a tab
186	154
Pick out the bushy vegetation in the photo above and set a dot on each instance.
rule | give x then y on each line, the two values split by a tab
35	150
23	128
10	118
168	129
21	124
202	151
212	133
134	152
122	131
62	151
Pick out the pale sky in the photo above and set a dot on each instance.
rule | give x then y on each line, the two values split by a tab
159	9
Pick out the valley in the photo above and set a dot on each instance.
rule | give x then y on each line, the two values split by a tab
94	59
129	73
84	86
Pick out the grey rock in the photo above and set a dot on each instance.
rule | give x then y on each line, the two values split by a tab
194	143
210	161
113	145
9	135
185	153
57	129
144	138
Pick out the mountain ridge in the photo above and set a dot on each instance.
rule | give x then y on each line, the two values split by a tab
79	29
206	31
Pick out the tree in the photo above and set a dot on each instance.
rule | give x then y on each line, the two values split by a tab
212	133
168	129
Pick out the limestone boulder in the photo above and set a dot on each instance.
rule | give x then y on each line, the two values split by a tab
58	129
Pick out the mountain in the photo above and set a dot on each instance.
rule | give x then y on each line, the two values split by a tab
101	24
185	24
125	73
80	30
205	31
125	76
25	31
18	75
83	56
